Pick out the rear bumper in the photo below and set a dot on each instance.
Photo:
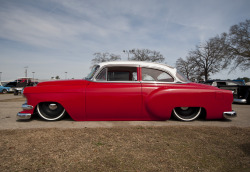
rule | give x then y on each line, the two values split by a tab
240	101
230	114
23	115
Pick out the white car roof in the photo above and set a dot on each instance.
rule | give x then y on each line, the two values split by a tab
139	63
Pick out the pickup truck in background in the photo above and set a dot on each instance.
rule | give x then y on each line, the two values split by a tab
18	85
241	92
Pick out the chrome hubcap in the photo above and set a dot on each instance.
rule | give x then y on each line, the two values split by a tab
184	108
52	106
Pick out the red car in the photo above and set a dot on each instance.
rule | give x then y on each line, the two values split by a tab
127	91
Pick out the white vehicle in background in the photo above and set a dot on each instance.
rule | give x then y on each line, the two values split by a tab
18	85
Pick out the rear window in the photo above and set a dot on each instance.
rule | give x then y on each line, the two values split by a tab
149	74
181	77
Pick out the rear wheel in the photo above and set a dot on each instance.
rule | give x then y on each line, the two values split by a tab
51	111
186	113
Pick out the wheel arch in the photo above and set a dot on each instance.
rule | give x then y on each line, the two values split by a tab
73	103
161	102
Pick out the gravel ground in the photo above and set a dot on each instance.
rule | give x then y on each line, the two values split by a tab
10	105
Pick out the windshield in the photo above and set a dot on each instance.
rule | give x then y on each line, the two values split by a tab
92	73
181	77
10	84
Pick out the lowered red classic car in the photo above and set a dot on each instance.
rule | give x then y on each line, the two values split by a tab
127	91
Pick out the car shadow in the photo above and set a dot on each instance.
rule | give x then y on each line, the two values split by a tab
36	117
202	119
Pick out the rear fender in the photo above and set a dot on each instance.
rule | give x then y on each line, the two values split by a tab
161	102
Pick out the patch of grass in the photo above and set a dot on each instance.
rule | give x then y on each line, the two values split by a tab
126	149
99	144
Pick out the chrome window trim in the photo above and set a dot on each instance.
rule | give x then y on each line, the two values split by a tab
157	82
125	82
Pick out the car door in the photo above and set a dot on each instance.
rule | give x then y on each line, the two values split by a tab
114	95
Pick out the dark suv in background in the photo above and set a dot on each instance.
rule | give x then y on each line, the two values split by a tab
240	90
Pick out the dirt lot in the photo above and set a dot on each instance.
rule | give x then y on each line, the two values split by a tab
132	149
36	145
10	105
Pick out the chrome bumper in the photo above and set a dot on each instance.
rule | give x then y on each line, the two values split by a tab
25	106
23	116
240	101
230	114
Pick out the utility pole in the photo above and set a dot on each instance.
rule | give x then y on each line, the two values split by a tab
66	75
33	76
128	52
26	71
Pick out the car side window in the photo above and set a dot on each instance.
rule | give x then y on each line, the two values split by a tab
221	83
102	76
118	74
231	83
149	74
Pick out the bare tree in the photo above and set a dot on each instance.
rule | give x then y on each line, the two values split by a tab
146	55
209	58
238	41
104	57
219	52
186	67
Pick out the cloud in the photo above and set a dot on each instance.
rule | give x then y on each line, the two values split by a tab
67	33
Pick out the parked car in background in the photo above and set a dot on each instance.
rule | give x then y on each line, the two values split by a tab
127	91
17	86
241	92
21	83
4	89
240	81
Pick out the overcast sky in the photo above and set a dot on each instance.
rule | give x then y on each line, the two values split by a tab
52	37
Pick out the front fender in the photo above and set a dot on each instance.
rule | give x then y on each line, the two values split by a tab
71	98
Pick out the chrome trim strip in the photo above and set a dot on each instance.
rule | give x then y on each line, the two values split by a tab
230	114
240	101
25	106
158	82
118	82
23	115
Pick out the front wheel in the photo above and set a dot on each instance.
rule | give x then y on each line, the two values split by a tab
186	113
4	91
51	111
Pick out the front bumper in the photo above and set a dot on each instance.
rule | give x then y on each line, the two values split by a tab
230	114
23	115
240	101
